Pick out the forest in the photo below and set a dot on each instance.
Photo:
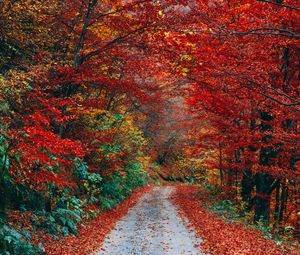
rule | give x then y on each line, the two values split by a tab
101	100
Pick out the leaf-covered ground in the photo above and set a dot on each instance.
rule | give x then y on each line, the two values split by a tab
220	237
92	233
152	227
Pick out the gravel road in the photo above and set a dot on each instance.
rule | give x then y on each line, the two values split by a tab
152	227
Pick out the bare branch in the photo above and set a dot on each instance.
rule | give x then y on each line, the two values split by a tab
62	21
272	98
102	15
282	5
117	39
281	32
92	4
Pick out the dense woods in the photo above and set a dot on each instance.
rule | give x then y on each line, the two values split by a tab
97	96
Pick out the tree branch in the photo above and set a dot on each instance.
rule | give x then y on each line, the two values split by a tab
281	32
117	39
59	19
102	15
281	5
92	4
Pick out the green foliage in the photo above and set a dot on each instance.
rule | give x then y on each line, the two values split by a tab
81	170
119	187
107	203
108	191
212	189
136	176
266	230
67	219
59	221
226	207
111	148
233	212
113	189
4	159
91	182
64	218
72	203
16	242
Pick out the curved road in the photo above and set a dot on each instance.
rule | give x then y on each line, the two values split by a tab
152	227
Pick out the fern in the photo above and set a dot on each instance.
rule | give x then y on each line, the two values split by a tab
17	242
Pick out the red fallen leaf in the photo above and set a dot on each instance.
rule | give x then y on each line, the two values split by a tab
220	237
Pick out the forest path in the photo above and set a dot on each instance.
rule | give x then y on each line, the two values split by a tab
152	227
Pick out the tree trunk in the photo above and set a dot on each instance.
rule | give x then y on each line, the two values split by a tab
77	58
283	199
230	181
2	201
262	201
277	204
221	164
247	188
3	189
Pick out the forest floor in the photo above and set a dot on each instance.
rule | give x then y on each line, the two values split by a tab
92	232
165	220
152	227
220	235
171	220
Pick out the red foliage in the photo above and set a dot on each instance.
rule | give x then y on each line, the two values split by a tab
220	237
43	156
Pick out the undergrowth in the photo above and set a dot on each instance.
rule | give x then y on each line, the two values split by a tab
234	211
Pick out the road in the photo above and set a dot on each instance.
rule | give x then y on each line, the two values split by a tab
152	227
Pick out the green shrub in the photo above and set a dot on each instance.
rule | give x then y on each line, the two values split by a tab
58	222
17	242
116	188
226	208
91	182
213	190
